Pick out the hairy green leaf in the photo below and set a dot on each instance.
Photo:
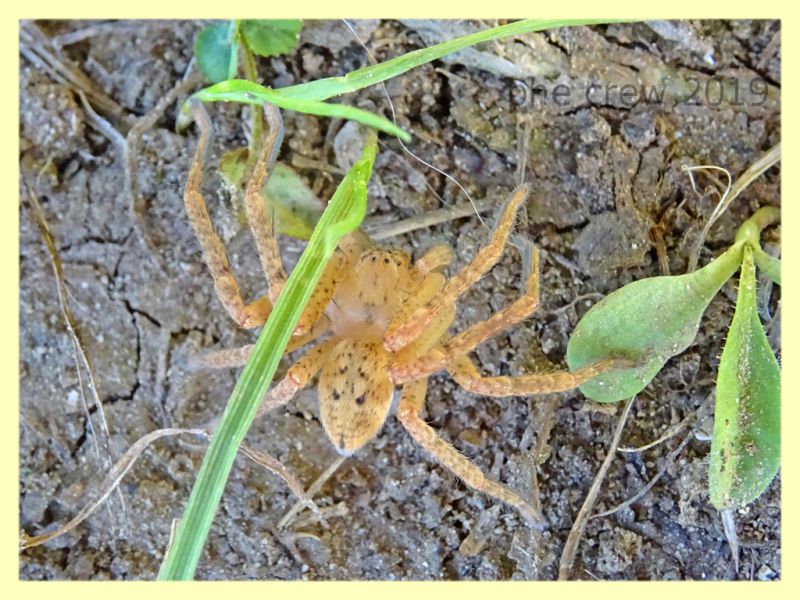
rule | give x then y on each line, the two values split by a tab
648	321
268	37
233	166
745	448
295	207
216	51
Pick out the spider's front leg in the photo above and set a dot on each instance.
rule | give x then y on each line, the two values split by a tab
411	403
214	254
260	223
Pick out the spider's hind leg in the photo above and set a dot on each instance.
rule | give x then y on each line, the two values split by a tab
463	370
411	403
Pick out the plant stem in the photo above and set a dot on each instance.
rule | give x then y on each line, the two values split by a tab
751	229
256	118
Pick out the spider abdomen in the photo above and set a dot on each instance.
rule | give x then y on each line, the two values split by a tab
355	393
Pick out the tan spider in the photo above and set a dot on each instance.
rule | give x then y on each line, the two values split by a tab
388	320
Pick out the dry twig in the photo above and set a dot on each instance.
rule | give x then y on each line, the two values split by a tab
130	155
78	346
698	417
575	534
315	487
108	485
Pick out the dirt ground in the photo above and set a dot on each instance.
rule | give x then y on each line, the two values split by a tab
608	197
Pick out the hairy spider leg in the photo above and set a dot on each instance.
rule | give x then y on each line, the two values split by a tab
237	357
435	258
401	331
439	357
225	284
411	403
298	376
261	224
465	373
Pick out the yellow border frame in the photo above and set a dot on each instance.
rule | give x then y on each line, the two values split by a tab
348	8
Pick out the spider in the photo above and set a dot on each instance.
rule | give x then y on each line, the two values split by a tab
388	320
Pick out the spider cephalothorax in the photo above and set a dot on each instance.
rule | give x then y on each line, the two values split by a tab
383	322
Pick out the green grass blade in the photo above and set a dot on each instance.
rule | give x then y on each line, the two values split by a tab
322	89
344	213
308	97
746	445
247	92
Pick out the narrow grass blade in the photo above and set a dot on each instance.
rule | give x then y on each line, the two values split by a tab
344	213
307	97
322	89
746	445
247	92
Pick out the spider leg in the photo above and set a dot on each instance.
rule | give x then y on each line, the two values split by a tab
463	370
260	222
237	357
298	376
438	357
214	255
400	332
437	257
322	294
411	403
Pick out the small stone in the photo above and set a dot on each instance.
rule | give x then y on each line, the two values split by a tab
765	573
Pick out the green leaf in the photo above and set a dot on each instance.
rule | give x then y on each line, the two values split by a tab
293	207
746	445
322	89
268	37
648	321
769	265
216	51
247	92
296	208
344	213
233	166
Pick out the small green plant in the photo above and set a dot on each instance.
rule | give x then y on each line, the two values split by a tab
217	49
654	319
